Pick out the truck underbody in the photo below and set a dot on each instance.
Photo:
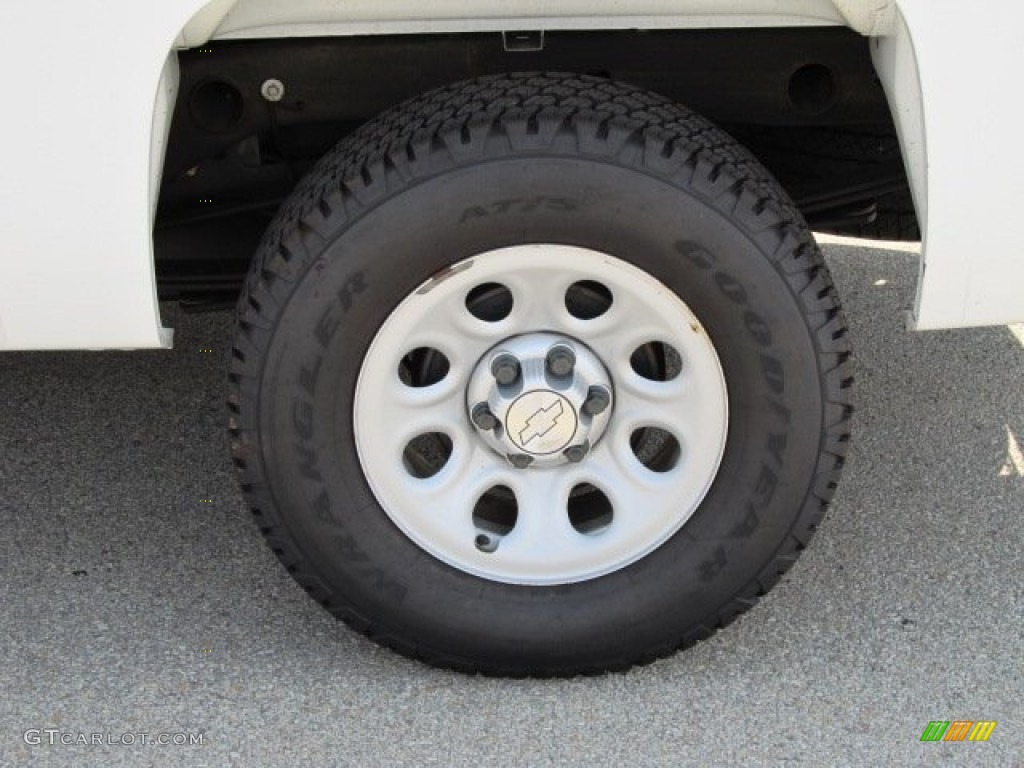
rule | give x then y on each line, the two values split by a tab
253	116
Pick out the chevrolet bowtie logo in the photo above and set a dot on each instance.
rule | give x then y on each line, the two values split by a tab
541	422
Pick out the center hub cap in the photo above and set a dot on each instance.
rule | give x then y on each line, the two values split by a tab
540	399
541	422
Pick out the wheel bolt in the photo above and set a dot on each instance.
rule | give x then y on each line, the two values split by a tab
483	417
575	453
598	399
505	369
520	460
560	360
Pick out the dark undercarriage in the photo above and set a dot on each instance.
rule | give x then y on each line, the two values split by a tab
806	102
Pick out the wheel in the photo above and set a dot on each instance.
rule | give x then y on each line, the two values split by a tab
538	374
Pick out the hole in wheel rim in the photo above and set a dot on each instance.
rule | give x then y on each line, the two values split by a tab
423	367
590	511
587	299
655	448
656	361
490	302
494	515
425	455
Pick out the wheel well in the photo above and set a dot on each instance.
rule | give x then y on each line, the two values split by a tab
253	115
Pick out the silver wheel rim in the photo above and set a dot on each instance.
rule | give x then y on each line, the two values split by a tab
541	537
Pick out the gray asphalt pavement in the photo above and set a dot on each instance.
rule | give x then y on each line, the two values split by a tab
136	595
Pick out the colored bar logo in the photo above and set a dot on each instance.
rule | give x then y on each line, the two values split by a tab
958	730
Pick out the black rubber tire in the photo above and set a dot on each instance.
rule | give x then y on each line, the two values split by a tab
635	176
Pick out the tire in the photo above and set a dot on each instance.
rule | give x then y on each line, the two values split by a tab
472	207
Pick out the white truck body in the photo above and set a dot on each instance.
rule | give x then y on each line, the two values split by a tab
78	195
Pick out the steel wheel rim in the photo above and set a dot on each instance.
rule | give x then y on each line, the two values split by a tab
441	512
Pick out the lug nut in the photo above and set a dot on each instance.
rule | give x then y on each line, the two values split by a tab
575	453
483	417
505	369
520	460
560	360
598	399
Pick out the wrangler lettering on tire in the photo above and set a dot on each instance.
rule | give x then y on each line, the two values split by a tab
538	374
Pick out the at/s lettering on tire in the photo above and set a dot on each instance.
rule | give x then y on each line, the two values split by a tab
538	374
